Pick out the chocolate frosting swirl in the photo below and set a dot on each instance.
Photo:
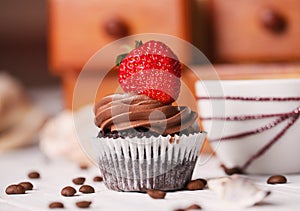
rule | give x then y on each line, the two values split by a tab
119	112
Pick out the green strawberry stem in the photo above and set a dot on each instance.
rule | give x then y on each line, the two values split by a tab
120	58
138	43
123	55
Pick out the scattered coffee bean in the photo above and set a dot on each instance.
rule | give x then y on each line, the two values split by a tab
156	194
78	180
203	181
15	189
54	205
83	166
26	185
98	179
194	207
83	204
86	189
191	207
34	175
195	185
276	179
68	191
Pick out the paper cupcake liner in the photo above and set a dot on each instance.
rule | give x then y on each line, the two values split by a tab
138	164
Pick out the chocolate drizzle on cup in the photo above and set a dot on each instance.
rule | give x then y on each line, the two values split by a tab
291	117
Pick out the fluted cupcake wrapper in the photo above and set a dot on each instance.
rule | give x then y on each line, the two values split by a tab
137	164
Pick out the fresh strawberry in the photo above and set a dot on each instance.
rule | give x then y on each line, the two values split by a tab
151	69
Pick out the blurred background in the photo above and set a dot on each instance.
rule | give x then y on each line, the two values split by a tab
40	39
24	36
23	41
45	43
43	46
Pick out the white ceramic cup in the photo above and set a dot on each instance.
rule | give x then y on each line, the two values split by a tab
267	140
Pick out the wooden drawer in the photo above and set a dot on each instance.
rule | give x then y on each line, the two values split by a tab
78	28
256	30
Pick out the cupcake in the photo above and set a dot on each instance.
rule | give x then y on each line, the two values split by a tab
145	140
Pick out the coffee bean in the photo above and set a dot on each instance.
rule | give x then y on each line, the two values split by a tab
156	194
98	179
54	205
86	189
83	204
78	180
26	185
276	179
195	185
191	207
204	182
83	166
194	207
68	191
34	175
15	189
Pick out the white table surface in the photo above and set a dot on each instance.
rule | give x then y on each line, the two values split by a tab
55	174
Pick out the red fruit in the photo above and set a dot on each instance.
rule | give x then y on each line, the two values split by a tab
151	69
